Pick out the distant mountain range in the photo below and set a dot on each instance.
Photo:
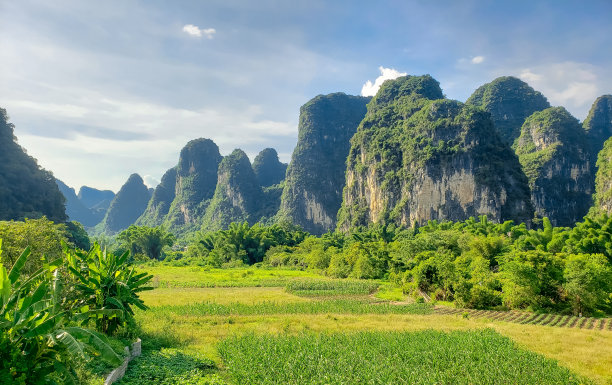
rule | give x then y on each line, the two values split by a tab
405	156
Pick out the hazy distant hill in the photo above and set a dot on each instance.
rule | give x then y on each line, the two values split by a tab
129	204
76	210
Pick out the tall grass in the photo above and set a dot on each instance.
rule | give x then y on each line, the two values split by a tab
426	357
337	306
330	287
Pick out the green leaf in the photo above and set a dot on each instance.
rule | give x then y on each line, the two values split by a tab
19	264
74	347
97	341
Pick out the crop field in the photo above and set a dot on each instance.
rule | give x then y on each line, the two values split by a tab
291	327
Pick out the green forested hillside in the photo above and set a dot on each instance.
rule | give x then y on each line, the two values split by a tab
26	190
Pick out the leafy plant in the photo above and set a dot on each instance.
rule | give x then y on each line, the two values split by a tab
38	342
107	281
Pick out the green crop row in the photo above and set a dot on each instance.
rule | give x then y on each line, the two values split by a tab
322	287
337	306
425	357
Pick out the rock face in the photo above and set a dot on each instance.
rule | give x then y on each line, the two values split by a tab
238	196
94	198
603	180
598	125
554	154
76	210
160	202
417	157
315	177
26	190
129	204
510	101
196	178
268	169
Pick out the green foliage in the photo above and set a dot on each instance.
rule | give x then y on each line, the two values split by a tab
603	179
268	169
27	190
149	241
318	287
42	236
509	101
425	357
38	343
243	243
170	367
104	281
77	235
588	282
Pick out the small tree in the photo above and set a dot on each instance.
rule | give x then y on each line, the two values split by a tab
588	282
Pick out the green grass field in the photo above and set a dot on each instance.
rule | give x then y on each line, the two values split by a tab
224	326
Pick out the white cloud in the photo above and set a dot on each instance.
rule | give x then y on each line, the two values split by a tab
150	181
477	59
370	89
195	31
572	85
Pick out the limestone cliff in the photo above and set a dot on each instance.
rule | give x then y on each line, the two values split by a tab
598	125
238	196
417	157
510	101
160	201
554	154
315	177
268	169
129	204
603	181
196	178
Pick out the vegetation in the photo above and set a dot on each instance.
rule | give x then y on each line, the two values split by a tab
103	281
160	202
40	340
509	101
603	179
147	241
268	169
42	236
598	125
426	357
26	190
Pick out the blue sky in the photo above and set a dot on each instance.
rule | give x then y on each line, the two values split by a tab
101	89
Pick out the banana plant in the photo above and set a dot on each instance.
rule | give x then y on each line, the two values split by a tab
39	343
106	281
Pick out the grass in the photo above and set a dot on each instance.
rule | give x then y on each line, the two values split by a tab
196	276
425	357
220	295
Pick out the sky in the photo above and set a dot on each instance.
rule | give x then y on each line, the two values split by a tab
98	90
